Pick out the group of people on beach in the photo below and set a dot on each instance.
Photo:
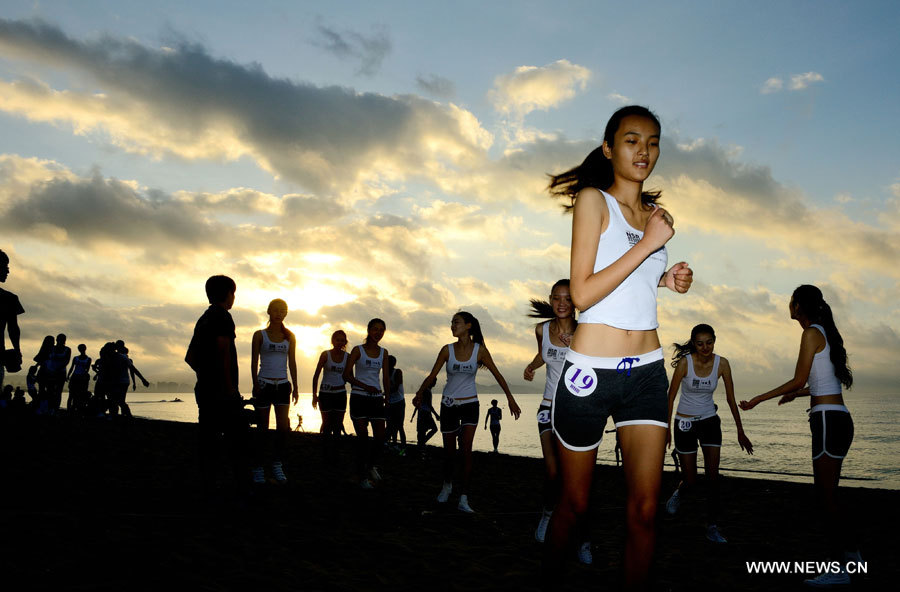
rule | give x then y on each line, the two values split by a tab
607	361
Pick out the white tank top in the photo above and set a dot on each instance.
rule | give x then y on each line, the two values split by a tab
368	371
333	374
460	387
822	380
632	305
273	357
554	356
396	395
697	391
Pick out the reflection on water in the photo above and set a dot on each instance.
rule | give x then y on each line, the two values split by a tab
780	435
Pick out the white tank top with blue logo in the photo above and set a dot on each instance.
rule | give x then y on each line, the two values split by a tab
368	371
697	391
460	388
554	356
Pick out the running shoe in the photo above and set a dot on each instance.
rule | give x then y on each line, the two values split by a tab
374	475
829	580
464	506
674	502
366	484
278	472
259	475
584	553
712	533
444	495
541	531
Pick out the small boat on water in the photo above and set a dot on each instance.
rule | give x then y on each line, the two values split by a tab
177	400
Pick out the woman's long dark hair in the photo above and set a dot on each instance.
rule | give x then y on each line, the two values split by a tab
543	310
371	324
812	303
687	348
596	170
284	329
475	330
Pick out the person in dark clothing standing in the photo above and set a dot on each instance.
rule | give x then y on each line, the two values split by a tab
10	308
213	357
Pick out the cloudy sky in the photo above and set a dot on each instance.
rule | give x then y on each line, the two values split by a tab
389	159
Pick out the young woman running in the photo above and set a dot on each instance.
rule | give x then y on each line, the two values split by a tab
615	363
553	338
459	405
697	371
368	400
822	365
273	352
331	397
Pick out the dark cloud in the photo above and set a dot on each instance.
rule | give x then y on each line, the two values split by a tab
321	137
436	86
369	51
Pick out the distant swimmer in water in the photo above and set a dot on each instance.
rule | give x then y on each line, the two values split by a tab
331	396
821	370
459	405
366	371
697	372
273	354
553	339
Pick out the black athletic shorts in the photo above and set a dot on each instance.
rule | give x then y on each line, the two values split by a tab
543	419
332	401
634	390
369	407
454	416
273	394
690	432
832	430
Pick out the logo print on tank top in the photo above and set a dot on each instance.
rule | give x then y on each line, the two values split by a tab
633	238
581	382
456	367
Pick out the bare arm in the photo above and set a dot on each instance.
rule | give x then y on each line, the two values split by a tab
223	352
588	221
538	360
385	376
292	366
431	379
677	377
725	372
12	327
255	344
484	357
810	340
315	383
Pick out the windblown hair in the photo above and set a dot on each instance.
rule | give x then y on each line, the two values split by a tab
274	303
687	348
812	303
543	310
596	170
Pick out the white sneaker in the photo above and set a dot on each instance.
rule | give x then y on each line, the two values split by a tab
464	506
259	475
278	472
374	475
541	531
584	553
829	580
366	484
444	495
674	502
712	533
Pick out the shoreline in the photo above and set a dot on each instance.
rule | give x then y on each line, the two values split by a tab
112	505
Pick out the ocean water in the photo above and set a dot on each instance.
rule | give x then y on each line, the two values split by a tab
780	435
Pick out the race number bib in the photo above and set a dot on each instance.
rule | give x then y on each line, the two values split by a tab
447	401
543	416
580	381
684	425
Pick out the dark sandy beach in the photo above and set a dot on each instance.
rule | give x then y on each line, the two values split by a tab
113	505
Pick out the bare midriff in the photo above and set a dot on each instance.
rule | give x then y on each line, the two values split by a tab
609	342
837	399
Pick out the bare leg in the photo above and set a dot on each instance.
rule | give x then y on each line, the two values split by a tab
378	433
260	435
361	427
827	471
711	455
282	427
643	449
551	469
467	436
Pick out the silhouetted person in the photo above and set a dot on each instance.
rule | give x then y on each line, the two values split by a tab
18	404
116	368
134	372
42	376
494	415
6	397
31	384
55	366
396	408
10	309
425	426
79	377
212	355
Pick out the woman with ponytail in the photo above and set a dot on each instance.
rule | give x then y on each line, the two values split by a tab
697	372
331	397
459	405
615	362
273	352
821	370
553	338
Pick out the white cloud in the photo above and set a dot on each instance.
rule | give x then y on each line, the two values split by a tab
772	85
802	81
531	88
617	98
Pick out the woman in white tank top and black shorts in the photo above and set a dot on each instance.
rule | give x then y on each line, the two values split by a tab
697	373
553	338
273	353
821	370
366	370
331	396
459	404
615	363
